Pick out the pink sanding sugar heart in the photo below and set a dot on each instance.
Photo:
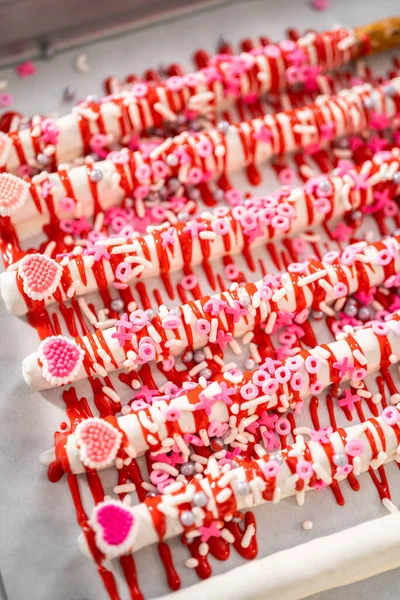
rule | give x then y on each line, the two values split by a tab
41	275
13	193
114	525
98	441
61	359
5	149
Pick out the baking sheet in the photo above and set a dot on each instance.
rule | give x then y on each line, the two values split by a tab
39	558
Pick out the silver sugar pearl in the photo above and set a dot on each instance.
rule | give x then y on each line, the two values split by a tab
217	444
43	159
237	519
200	499
390	91
187	518
318	315
96	175
250	364
194	194
150	314
276	457
364	313
325	186
350	310
396	178
356	215
206	373
117	304
219	195
243	488
351	301
369	103
396	232
183	216
151	495
187	469
340	459
174	184
188	357
69	93
223	126
244	300
172	160
175	311
225	39
343	143
199	356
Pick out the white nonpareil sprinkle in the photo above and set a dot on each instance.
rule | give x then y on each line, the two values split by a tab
250	531
124	488
191	563
388	504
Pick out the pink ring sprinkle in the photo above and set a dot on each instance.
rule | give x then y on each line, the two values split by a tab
282	426
67	204
297	381
270	386
271	469
147	352
195	175
189	282
391	415
123	271
157	476
143	172
304	469
283	374
340	290
380	328
221	226
294	363
173	414
316	387
249	391
312	364
354	448
232	272
384	257
259	377
202	327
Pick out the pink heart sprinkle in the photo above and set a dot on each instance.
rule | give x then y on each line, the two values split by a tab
41	275
116	523
99	442
61	356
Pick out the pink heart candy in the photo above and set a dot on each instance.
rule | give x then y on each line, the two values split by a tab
41	275
13	193
114	525
98	441
61	359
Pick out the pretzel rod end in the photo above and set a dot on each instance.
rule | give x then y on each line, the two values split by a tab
381	35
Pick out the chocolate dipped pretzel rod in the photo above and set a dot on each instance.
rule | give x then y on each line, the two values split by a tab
184	245
200	508
138	338
267	69
235	399
193	158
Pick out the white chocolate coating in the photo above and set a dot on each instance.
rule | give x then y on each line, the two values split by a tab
285	482
139	426
239	147
124	113
144	251
292	295
354	554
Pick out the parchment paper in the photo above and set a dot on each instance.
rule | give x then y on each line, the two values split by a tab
39	558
